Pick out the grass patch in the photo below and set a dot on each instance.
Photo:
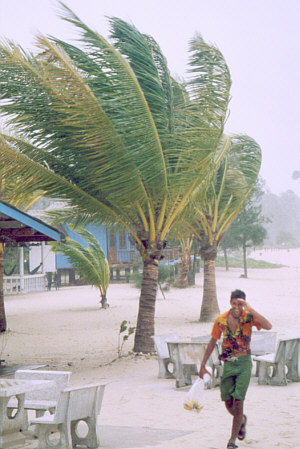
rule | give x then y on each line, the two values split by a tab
236	262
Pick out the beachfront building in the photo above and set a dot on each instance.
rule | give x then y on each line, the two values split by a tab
119	251
18	232
36	267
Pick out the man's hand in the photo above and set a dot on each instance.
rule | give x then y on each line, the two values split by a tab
265	324
245	304
203	371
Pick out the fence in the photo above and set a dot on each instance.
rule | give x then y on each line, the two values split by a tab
23	284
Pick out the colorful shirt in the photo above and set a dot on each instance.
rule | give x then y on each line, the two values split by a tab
239	341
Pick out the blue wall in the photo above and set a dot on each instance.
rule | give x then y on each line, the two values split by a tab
101	234
98	231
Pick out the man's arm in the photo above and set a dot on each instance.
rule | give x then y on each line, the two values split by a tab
209	350
265	324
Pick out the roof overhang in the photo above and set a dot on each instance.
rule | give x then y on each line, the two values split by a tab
17	227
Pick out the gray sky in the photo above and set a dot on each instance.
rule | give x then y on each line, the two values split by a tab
260	40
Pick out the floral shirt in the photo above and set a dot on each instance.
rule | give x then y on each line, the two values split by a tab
239	341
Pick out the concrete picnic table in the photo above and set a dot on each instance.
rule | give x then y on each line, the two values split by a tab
187	354
11	424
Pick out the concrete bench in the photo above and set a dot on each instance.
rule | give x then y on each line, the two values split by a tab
42	400
262	343
74	405
283	365
163	355
187	356
213	362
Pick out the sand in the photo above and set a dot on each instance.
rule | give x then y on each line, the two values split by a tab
66	330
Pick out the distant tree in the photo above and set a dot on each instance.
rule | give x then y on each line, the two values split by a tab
248	231
284	213
286	239
185	262
228	242
89	261
248	228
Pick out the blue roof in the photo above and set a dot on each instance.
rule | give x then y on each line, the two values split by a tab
17	226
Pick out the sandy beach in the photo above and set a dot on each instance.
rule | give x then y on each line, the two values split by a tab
66	330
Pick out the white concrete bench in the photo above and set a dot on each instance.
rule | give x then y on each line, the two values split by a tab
45	399
187	356
213	362
74	405
283	365
262	343
163	355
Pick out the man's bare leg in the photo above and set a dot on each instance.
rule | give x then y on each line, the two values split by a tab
235	407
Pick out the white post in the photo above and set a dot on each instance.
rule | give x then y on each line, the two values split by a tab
42	256
21	268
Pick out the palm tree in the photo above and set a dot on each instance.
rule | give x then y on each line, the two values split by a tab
210	219
90	262
107	129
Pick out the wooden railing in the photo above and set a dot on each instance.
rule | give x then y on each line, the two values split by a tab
123	257
171	255
130	257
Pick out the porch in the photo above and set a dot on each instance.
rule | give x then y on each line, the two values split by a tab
13	285
122	263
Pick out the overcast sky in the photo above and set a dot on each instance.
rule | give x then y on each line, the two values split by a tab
260	40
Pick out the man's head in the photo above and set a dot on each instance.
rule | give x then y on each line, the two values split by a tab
237	294
236	305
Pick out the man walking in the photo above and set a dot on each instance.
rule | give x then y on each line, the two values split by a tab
236	327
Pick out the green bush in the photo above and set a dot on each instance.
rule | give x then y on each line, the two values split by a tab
165	275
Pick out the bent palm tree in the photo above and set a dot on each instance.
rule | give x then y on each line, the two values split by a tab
109	131
231	185
90	262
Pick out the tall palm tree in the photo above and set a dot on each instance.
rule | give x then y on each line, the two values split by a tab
107	129
210	219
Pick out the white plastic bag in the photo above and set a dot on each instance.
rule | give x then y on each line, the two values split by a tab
194	400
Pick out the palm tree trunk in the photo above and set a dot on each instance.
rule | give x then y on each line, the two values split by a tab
103	302
245	260
193	266
2	308
183	273
226	259
146	315
209	308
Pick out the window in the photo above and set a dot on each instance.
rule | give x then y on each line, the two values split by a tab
122	240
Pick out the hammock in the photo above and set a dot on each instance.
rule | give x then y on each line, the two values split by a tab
36	269
11	271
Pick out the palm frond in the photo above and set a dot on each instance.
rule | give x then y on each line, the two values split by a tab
134	47
210	82
79	203
90	261
123	89
108	130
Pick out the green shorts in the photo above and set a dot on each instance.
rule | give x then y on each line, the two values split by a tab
236	378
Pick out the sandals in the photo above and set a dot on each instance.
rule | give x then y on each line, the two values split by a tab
241	434
242	431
